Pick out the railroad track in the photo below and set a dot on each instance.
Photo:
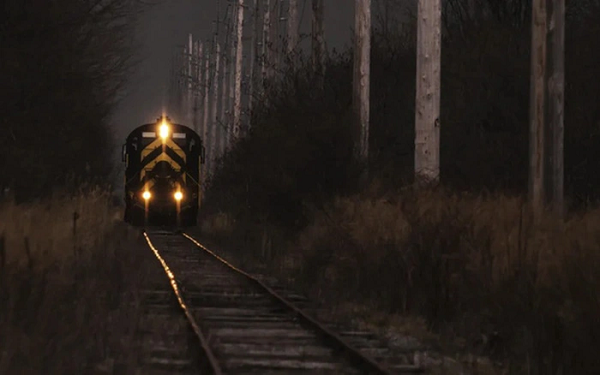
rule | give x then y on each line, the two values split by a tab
236	324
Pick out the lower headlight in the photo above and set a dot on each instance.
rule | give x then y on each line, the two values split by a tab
146	195
178	196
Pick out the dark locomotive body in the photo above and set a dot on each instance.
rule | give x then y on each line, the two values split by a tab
162	174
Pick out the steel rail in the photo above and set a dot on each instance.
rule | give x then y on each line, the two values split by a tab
365	361
214	364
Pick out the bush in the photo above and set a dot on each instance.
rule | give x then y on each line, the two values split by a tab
471	265
66	298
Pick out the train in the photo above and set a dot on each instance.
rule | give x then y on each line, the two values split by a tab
163	162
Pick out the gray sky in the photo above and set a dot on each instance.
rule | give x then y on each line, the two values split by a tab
164	26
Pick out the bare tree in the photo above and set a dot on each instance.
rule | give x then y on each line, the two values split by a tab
318	40
189	81
292	32
427	111
237	105
556	93
201	83
65	65
225	89
214	138
266	67
253	54
361	80
536	114
195	80
205	122
232	46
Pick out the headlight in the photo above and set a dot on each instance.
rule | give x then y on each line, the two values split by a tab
178	196
146	195
163	131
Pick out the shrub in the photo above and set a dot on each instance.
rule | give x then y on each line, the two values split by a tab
471	265
66	297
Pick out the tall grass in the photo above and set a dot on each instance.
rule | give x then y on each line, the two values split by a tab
67	286
474	266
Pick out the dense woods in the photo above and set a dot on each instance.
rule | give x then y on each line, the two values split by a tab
63	63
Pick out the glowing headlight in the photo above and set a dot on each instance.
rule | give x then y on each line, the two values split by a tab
146	195
163	131
178	196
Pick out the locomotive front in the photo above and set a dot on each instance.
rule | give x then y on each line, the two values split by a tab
162	174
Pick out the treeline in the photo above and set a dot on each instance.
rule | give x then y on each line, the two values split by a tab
299	150
63	64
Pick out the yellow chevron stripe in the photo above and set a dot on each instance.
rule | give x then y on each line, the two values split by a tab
162	157
158	143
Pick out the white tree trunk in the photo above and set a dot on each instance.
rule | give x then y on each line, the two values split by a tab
214	141
200	89
427	111
361	80
253	56
183	84
278	36
237	105
266	43
206	112
224	97
189	72
232	38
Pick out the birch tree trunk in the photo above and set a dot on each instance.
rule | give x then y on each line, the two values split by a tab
195	79
230	101
200	89
361	81
279	33
266	45
237	105
183	84
427	111
214	139
253	56
225	96
189	92
205	122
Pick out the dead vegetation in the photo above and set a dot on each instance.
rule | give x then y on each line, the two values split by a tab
68	295
467	260
475	268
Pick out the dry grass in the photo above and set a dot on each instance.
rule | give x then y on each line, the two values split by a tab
473	267
66	296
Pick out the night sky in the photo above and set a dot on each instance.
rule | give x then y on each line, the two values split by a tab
164	26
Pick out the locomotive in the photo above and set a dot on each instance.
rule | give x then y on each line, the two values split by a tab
162	174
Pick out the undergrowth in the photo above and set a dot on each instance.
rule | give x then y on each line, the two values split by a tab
474	267
67	293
